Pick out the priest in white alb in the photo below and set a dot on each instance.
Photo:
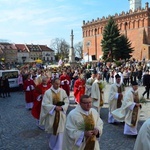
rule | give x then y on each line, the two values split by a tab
53	114
130	110
115	97
143	139
89	83
83	127
97	92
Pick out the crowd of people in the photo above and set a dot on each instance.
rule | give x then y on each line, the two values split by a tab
47	94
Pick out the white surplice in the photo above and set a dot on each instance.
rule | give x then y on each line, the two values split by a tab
112	101
73	136
47	117
143	139
125	113
95	95
88	87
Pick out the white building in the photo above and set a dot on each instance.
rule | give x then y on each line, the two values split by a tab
48	54
23	53
135	4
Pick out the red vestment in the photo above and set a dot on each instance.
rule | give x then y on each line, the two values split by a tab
79	89
28	87
65	84
49	82
38	94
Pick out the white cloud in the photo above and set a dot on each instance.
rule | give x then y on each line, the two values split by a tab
42	21
20	14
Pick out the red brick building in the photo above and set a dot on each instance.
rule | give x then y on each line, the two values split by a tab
134	24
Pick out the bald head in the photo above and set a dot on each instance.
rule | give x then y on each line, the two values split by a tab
44	80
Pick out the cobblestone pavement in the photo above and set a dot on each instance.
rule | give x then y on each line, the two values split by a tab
18	130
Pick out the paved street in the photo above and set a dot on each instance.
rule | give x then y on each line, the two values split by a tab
19	132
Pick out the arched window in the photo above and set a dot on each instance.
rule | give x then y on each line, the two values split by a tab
89	33
86	33
137	24
101	30
133	24
128	25
96	31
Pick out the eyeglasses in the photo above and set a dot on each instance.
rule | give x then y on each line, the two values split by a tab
86	102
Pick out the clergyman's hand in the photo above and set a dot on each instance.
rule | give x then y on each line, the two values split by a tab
95	131
88	133
58	108
138	105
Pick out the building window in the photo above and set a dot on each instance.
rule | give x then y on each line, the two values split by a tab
133	24
86	33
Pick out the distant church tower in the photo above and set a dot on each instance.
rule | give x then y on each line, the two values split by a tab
135	4
71	52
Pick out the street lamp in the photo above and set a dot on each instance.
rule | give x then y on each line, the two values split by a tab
87	45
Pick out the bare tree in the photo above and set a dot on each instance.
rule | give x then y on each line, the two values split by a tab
78	49
61	47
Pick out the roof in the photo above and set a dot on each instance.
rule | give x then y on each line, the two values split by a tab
7	46
45	48
25	47
21	47
33	48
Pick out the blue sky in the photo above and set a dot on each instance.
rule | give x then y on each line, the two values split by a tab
40	21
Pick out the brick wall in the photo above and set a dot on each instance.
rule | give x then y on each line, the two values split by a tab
135	25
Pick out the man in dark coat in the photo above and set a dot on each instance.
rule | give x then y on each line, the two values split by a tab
146	83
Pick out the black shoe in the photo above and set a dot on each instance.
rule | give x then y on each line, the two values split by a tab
134	136
131	136
122	123
115	123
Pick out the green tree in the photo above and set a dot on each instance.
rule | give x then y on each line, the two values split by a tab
110	40
114	45
125	49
